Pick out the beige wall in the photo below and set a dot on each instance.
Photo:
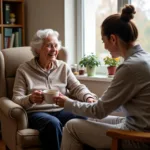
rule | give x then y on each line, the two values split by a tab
59	15
97	87
44	14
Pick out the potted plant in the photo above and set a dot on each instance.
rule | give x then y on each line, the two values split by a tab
90	62
112	64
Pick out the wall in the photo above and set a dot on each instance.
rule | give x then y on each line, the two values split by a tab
59	15
44	14
97	87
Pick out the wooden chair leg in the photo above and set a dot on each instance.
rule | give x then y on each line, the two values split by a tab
114	145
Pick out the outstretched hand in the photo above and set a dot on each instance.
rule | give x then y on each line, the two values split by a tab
60	100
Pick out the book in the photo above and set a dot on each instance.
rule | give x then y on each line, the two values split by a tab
16	44
6	13
5	42
7	31
20	36
12	40
8	41
7	37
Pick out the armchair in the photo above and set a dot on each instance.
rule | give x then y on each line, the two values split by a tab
14	121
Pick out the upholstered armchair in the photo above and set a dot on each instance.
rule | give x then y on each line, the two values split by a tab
14	122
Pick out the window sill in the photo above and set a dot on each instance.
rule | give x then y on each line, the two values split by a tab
104	78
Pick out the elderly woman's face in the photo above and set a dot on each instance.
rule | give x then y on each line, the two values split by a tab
49	49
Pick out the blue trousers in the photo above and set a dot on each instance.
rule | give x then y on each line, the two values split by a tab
50	127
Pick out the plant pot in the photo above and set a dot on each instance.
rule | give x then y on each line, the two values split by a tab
91	71
111	70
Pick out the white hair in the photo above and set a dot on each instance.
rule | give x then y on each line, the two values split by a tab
39	37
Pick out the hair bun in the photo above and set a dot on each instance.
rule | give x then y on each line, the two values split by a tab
128	13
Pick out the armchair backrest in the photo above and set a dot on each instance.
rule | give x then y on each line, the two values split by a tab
10	59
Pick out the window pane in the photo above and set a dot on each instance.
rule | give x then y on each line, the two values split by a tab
142	20
95	11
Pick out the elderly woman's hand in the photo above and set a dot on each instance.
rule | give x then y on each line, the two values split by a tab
60	100
36	97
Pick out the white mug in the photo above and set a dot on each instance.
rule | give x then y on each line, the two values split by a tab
49	94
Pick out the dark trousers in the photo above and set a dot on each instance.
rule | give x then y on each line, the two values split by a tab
50	127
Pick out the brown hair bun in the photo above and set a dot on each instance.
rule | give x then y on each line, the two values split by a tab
128	13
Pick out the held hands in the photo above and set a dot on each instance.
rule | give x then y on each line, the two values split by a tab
60	100
36	97
91	100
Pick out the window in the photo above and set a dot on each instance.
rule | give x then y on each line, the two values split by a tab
99	10
142	20
93	12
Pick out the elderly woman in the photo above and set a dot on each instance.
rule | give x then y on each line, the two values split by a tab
46	72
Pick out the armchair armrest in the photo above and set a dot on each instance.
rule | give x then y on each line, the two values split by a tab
129	135
14	111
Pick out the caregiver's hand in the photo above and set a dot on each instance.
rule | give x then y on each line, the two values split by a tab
60	100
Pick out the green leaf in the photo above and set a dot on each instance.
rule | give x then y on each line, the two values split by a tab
90	60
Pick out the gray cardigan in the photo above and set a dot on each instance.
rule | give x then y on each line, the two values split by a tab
30	76
130	89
